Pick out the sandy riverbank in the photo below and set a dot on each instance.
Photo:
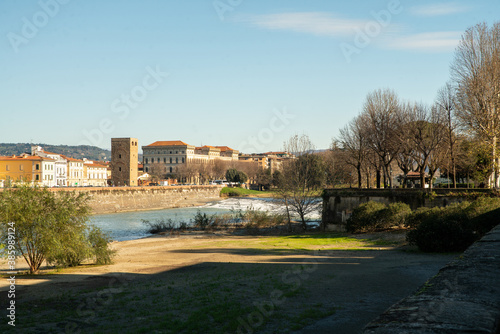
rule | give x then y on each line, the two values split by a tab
353	285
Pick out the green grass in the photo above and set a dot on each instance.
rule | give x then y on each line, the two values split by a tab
243	192
325	241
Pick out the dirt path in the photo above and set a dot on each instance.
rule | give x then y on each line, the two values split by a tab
337	291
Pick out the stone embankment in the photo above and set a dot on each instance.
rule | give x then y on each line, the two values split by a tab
464	297
121	199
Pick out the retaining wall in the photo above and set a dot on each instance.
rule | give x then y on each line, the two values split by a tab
120	199
338	204
464	297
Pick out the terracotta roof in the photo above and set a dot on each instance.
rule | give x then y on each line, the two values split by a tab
71	159
96	164
46	152
167	143
224	148
208	146
27	157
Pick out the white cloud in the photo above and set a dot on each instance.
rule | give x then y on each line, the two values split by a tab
316	23
439	9
441	41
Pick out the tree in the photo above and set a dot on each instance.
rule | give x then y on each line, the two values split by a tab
302	178
476	73
157	171
446	104
234	175
425	131
354	143
50	226
380	121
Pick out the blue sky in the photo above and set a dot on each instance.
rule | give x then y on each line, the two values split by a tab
241	73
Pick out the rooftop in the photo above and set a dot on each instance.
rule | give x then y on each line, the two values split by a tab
168	143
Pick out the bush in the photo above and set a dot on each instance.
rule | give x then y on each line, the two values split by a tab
373	216
99	246
50	226
454	228
202	221
395	215
442	230
159	225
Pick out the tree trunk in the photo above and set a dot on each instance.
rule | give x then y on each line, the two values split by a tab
359	176
494	163
378	178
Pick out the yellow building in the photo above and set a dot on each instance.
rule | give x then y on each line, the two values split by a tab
23	168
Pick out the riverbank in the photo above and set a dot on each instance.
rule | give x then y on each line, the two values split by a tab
128	199
212	283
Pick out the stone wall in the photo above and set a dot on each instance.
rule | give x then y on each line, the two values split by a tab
338	204
464	297
120	199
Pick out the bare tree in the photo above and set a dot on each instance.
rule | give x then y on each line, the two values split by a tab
476	72
446	103
426	132
301	178
381	115
354	143
157	171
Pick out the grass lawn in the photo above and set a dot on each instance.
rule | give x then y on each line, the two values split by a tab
263	284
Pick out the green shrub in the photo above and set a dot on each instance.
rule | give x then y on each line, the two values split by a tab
99	246
364	217
159	225
202	221
441	233
394	215
453	228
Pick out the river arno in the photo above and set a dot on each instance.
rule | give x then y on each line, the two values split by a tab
129	226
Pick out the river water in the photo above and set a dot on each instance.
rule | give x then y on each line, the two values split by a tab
128	225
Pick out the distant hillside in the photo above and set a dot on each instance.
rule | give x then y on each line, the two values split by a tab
77	152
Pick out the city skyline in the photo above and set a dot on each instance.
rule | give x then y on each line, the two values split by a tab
244	74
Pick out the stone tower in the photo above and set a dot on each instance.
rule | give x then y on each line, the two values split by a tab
124	161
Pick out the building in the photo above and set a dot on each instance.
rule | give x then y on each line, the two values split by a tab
269	160
19	169
162	157
60	164
76	172
124	161
95	173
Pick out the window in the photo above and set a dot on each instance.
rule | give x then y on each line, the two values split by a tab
182	160
119	156
170	152
147	169
37	177
7	167
176	160
119	169
170	169
176	152
146	160
21	167
164	160
37	166
158	159
170	160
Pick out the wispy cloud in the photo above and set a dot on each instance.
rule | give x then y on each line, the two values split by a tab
317	23
439	9
441	41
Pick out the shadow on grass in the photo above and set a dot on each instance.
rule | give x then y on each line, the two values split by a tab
284	293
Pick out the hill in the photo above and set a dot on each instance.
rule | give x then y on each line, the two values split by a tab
77	152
